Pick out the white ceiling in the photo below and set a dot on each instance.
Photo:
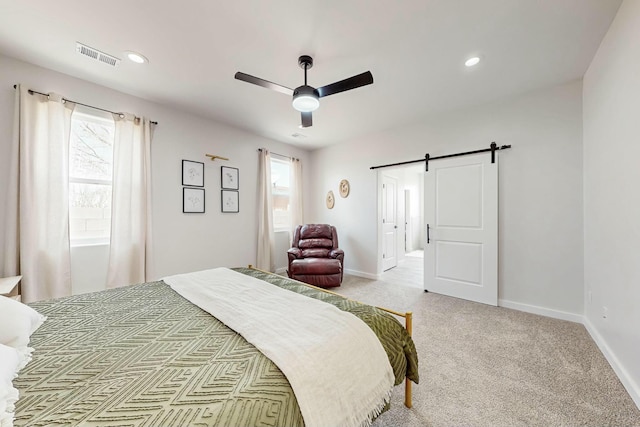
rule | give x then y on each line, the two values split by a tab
414	48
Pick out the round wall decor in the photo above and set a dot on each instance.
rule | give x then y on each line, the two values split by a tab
344	188
331	200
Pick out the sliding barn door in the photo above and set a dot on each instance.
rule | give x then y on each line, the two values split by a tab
461	210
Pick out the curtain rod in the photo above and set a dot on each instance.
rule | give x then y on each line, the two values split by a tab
281	155
493	148
31	92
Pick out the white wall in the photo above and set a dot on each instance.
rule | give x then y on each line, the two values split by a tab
283	243
182	242
540	185
611	196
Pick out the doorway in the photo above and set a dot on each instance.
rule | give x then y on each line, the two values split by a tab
405	184
389	222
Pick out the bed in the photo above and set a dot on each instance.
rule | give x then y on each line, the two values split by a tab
143	355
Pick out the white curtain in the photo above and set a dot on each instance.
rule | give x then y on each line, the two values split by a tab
266	237
295	197
130	245
37	230
11	238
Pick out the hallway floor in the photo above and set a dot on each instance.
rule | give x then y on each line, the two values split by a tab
409	271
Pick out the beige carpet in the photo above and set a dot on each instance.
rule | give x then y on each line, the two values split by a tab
491	366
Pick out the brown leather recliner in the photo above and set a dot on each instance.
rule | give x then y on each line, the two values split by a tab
315	257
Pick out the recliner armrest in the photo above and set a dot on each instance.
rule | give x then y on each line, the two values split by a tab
294	253
337	254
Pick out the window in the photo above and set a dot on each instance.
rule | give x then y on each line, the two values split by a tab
90	177
280	191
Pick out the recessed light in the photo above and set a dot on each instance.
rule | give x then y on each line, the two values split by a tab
136	57
472	61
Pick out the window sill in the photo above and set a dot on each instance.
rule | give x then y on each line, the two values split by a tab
81	244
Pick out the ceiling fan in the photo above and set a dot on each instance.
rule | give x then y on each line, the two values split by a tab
305	97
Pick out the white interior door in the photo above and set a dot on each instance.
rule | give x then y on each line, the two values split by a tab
408	229
389	222
461	213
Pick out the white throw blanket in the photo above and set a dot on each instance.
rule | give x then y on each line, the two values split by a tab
334	362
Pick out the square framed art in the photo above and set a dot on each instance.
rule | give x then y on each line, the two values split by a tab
229	178
230	201
192	200
192	173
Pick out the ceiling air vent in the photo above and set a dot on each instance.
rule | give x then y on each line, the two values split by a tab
95	54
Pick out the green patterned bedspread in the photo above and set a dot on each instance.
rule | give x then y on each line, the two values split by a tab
394	337
143	356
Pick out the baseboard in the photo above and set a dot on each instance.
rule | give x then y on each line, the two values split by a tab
542	311
629	384
362	274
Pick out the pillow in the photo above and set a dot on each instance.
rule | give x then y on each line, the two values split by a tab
11	364
17	322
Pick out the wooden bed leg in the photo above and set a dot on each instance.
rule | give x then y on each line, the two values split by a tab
409	321
408	317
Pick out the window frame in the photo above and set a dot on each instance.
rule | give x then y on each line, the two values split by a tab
99	118
285	161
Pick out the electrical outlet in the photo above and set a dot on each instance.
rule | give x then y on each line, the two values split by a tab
605	312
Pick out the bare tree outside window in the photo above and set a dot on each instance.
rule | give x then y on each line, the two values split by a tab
90	178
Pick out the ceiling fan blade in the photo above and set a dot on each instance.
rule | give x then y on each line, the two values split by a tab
306	119
363	79
264	83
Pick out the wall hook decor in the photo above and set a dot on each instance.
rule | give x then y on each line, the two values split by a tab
330	200
344	188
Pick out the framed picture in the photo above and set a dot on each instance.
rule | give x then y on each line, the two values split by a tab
192	200
229	178
192	173
230	201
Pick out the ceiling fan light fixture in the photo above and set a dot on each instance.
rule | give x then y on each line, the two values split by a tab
305	99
